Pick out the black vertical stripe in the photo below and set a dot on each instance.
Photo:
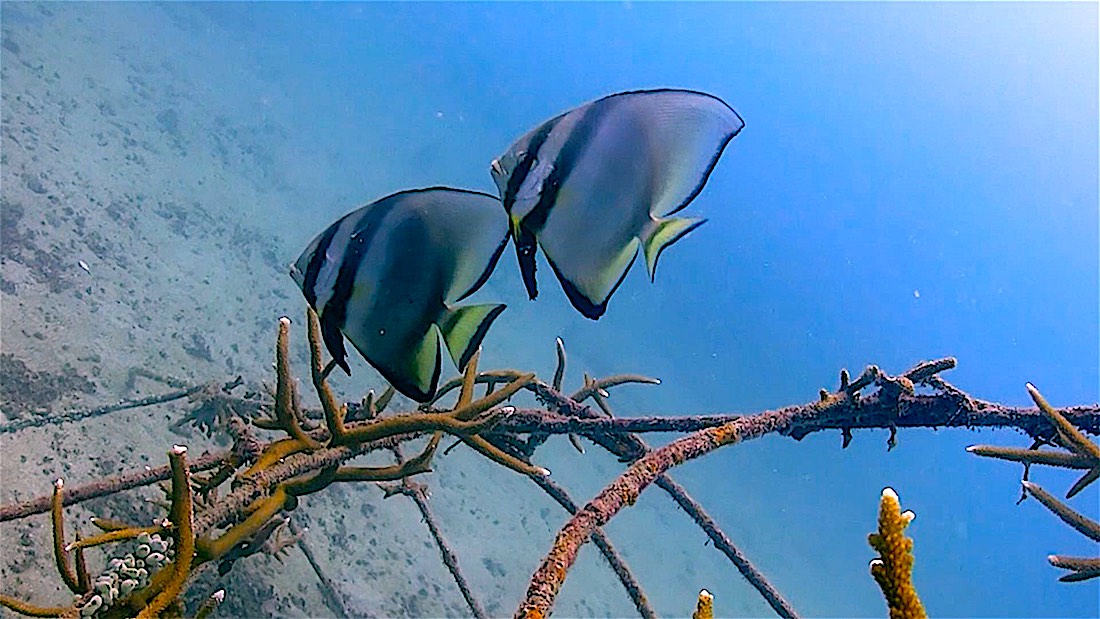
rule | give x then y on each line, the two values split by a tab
479	335
484	277
365	229
525	253
316	261
523	168
567	158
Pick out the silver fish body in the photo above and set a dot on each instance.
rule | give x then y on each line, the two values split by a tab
386	276
592	184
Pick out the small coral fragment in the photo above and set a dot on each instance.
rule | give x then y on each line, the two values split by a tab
704	608
893	569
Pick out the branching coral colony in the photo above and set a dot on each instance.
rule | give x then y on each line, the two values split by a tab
228	505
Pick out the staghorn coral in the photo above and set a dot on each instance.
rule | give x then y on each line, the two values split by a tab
1077	452
893	568
267	480
264	481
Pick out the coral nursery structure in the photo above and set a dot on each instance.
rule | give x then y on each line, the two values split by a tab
225	506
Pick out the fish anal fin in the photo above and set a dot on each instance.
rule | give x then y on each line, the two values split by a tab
661	234
465	327
588	307
420	376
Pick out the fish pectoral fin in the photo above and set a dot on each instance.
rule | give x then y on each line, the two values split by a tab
665	232
334	342
526	247
465	327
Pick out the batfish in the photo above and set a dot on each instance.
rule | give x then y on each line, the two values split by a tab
386	276
590	185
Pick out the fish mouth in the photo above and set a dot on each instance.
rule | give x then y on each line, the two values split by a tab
296	274
497	172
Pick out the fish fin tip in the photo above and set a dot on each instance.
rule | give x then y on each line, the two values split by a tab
579	300
526	248
465	327
662	234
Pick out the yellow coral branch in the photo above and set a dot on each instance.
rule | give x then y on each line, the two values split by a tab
266	509
1070	437
1063	459
82	576
31	610
182	515
275	451
491	378
495	454
893	569
334	411
593	386
117	535
108	525
60	555
469	377
285	397
424	422
308	484
477	407
1078	521
419	464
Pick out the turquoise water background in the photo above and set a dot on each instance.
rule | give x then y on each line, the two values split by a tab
913	181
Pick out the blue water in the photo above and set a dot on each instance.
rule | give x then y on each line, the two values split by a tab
914	181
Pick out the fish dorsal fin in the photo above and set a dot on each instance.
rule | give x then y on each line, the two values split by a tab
685	133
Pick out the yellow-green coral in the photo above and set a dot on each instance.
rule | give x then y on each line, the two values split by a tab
181	515
893	569
704	608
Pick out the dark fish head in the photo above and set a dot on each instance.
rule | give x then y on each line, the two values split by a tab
501	169
509	169
301	265
297	275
